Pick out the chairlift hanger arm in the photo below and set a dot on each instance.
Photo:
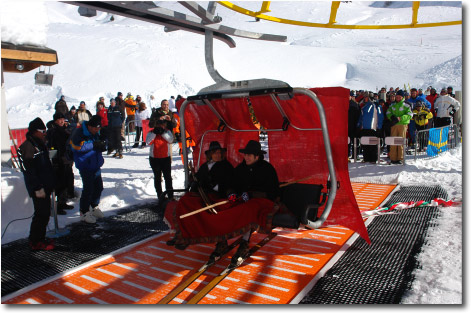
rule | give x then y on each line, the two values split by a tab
149	12
206	16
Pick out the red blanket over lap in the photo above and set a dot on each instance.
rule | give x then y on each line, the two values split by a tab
233	219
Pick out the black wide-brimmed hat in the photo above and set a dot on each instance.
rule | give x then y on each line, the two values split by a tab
253	147
214	145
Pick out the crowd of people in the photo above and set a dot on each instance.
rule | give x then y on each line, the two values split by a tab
397	113
79	137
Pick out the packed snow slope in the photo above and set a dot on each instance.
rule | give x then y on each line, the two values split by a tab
99	57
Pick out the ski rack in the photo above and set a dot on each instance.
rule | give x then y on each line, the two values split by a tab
276	90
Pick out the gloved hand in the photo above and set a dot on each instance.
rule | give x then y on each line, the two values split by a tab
40	193
452	112
158	130
394	120
245	196
232	197
99	145
178	137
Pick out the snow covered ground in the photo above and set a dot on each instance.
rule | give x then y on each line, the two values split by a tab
100	58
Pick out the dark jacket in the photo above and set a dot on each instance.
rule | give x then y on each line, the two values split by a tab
115	117
353	116
85	158
220	174
121	104
57	140
156	116
61	106
38	171
259	180
71	118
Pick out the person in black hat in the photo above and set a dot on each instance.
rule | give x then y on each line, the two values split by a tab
254	178
39	180
87	149
57	136
216	175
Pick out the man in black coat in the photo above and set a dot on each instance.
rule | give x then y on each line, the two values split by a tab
354	112
115	123
254	178
217	174
57	135
39	180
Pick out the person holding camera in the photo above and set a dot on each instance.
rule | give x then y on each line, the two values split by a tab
160	141
163	114
87	149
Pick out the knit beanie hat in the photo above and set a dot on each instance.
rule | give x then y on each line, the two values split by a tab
36	124
58	115
95	121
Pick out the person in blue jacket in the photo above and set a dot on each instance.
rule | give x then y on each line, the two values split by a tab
39	180
370	123
87	149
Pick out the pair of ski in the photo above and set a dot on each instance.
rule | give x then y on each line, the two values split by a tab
216	280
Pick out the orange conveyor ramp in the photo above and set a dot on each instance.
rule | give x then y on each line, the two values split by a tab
282	271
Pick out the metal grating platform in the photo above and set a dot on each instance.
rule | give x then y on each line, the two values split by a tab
22	267
380	273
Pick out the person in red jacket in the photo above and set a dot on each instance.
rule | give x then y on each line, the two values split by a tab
160	141
103	113
431	98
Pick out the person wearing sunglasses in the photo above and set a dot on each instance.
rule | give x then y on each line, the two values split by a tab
39	180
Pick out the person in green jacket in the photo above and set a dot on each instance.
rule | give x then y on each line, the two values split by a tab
400	115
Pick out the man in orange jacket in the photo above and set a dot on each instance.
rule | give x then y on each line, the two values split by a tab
131	107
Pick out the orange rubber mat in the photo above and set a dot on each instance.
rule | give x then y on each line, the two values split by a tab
282	271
